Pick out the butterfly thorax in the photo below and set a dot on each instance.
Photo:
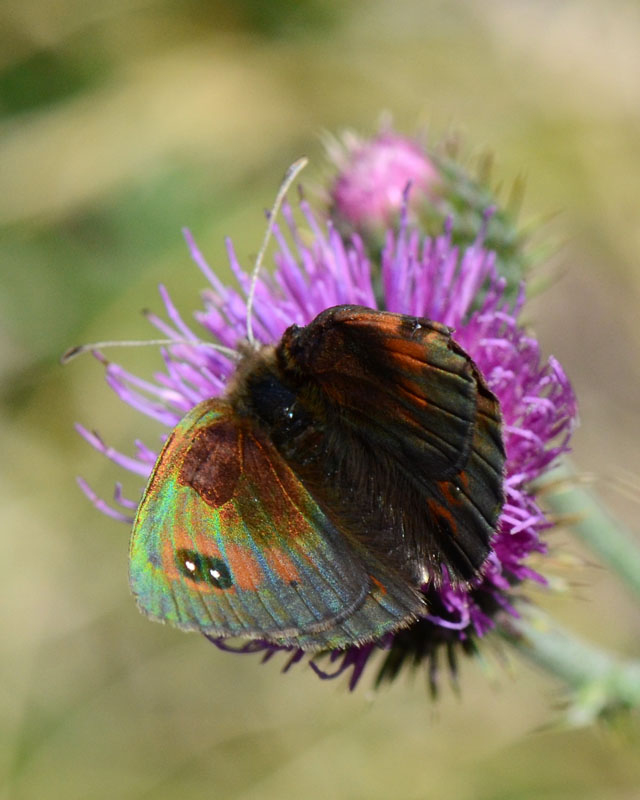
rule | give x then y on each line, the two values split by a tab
274	400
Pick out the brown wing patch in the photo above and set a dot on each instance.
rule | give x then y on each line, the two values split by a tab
212	464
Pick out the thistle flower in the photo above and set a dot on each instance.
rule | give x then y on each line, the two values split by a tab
368	190
366	196
422	276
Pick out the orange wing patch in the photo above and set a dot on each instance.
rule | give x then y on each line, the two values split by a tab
247	572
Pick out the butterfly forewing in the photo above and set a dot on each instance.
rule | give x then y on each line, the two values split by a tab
229	542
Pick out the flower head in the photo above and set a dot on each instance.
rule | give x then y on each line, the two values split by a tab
368	191
377	177
421	276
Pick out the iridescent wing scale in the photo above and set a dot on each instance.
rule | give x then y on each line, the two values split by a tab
227	541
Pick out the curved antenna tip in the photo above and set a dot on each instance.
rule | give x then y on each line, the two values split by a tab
289	177
78	350
71	353
295	168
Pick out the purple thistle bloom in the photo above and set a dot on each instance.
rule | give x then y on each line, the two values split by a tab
367	195
420	276
368	191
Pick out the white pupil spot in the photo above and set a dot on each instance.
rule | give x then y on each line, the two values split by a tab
215	574
190	566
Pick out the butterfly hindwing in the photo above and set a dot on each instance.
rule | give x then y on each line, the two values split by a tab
400	381
228	541
418	432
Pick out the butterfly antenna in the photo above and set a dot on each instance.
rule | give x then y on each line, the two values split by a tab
290	176
74	352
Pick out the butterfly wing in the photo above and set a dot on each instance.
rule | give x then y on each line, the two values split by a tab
228	541
400	381
423	431
463	511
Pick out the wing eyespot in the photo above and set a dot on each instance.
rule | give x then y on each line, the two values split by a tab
204	569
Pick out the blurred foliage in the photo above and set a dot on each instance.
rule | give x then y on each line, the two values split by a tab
121	123
46	77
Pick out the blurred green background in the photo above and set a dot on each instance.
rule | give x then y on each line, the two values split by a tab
121	123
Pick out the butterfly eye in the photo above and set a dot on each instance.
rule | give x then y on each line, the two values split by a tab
204	569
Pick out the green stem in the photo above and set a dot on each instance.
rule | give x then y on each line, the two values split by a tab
601	682
586	516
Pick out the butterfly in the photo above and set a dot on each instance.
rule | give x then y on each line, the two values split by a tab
344	468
